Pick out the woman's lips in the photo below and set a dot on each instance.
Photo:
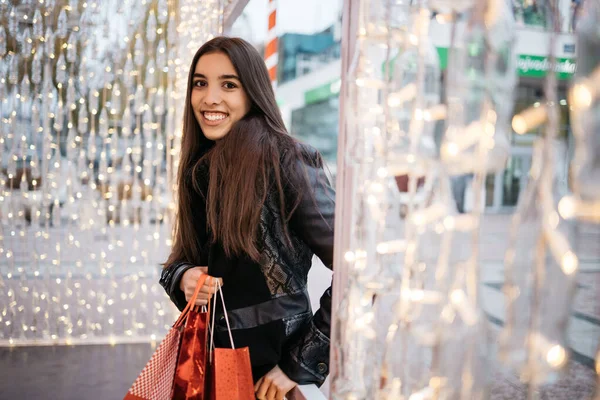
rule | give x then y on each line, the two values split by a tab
213	122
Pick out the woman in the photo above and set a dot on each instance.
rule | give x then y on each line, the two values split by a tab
254	206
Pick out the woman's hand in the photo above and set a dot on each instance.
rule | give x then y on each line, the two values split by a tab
188	283
274	385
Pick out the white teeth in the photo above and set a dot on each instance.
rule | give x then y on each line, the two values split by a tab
214	116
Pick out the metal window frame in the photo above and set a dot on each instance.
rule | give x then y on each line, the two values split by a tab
345	172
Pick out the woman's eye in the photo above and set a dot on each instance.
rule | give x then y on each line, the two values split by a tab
230	85
199	83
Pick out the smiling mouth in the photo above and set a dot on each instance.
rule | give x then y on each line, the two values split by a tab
213	118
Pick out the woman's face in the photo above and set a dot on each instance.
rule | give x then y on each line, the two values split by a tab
218	98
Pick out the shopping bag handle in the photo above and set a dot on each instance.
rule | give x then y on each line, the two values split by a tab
192	302
212	330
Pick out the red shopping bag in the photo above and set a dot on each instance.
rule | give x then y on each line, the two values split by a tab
156	381
191	371
230	369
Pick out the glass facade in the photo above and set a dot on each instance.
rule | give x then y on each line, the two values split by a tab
301	54
316	121
317	125
533	14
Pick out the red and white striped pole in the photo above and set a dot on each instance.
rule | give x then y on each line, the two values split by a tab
271	54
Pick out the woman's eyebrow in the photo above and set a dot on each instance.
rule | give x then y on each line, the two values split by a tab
222	77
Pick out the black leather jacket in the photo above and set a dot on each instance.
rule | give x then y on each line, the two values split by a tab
267	302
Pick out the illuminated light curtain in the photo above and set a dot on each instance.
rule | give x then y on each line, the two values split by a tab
409	322
537	321
90	128
541	262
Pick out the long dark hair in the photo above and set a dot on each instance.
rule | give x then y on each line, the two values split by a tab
255	158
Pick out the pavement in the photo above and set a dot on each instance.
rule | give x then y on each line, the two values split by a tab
578	380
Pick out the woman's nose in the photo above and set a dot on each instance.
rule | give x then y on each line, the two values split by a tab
213	96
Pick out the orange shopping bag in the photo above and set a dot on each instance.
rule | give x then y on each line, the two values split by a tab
230	369
156	381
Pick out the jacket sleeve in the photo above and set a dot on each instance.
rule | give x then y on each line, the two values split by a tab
307	360
170	279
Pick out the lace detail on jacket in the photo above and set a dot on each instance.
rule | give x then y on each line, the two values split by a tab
285	272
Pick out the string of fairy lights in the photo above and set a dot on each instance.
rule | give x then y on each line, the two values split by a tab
534	338
411	305
90	129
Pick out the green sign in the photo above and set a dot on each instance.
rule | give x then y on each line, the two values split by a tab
323	92
537	66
